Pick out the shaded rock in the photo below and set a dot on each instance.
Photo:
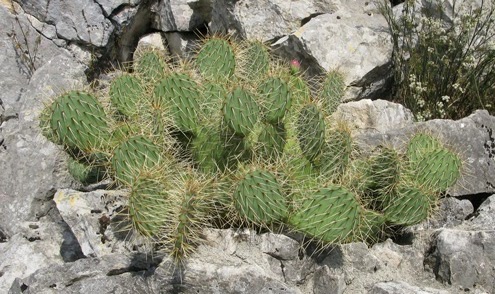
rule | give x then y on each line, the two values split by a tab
484	218
399	287
109	6
133	22
180	15
265	20
465	259
94	219
278	246
181	45
114	273
379	116
326	282
354	40
473	137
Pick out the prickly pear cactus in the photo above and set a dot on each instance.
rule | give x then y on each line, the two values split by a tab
237	137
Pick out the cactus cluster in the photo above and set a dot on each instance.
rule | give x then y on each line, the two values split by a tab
235	136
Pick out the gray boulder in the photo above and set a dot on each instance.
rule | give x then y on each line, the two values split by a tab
37	245
96	220
465	259
180	15
82	21
484	218
116	273
36	166
265	20
373	117
110	6
451	212
402	288
354	40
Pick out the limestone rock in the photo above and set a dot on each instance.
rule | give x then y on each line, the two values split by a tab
93	218
265	19
229	263
153	40
82	21
20	57
465	259
180	15
181	44
37	245
36	166
354	40
379	116
451	212
394	287
484	218
110	6
116	273
326	282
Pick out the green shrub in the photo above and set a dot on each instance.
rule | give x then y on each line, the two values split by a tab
443	67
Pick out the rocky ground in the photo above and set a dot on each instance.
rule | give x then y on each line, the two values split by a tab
59	237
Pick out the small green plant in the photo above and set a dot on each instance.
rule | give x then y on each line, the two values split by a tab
443	67
210	142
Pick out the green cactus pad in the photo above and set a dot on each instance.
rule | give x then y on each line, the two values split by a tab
241	112
133	156
438	170
125	93
272	141
216	60
85	173
370	226
330	215
276	99
259	199
183	94
311	131
79	121
332	92
254	61
419	145
189	217
148	206
408	206
336	153
150	66
384	171
300	90
214	95
207	149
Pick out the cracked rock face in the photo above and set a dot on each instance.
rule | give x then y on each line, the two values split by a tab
266	20
54	238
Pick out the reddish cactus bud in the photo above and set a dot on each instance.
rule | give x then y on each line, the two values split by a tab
295	66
